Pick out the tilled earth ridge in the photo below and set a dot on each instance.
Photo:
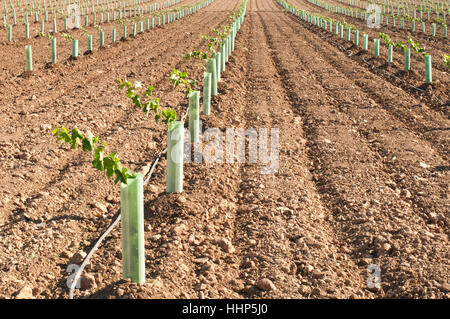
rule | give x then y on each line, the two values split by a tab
359	183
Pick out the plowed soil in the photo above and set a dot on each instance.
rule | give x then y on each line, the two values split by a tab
363	177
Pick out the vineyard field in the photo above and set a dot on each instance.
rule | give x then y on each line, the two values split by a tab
359	167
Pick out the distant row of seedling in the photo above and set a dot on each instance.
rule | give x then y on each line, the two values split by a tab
102	9
73	17
137	28
385	17
336	27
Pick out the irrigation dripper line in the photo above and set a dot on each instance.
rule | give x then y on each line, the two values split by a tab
115	222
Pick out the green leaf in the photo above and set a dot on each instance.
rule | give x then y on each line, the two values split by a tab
99	152
149	91
130	93
98	164
55	131
137	101
89	143
121	175
146	108
110	166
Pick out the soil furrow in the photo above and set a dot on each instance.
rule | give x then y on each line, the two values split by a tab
275	217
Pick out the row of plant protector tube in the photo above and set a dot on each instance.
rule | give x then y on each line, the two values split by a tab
132	202
98	17
132	194
108	9
137	28
336	27
402	9
384	17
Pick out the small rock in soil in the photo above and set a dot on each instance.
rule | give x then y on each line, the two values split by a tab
101	207
153	189
120	292
304	290
265	284
208	267
405	193
87	282
226	245
309	268
65	254
178	229
316	292
78	257
423	165
383	249
237	284
25	293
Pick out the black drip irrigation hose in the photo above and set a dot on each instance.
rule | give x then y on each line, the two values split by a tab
115	222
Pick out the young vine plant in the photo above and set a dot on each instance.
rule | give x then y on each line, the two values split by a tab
215	42
446	60
68	36
98	28
196	54
90	143
178	78
388	41
212	44
151	103
84	31
147	103
415	47
44	35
